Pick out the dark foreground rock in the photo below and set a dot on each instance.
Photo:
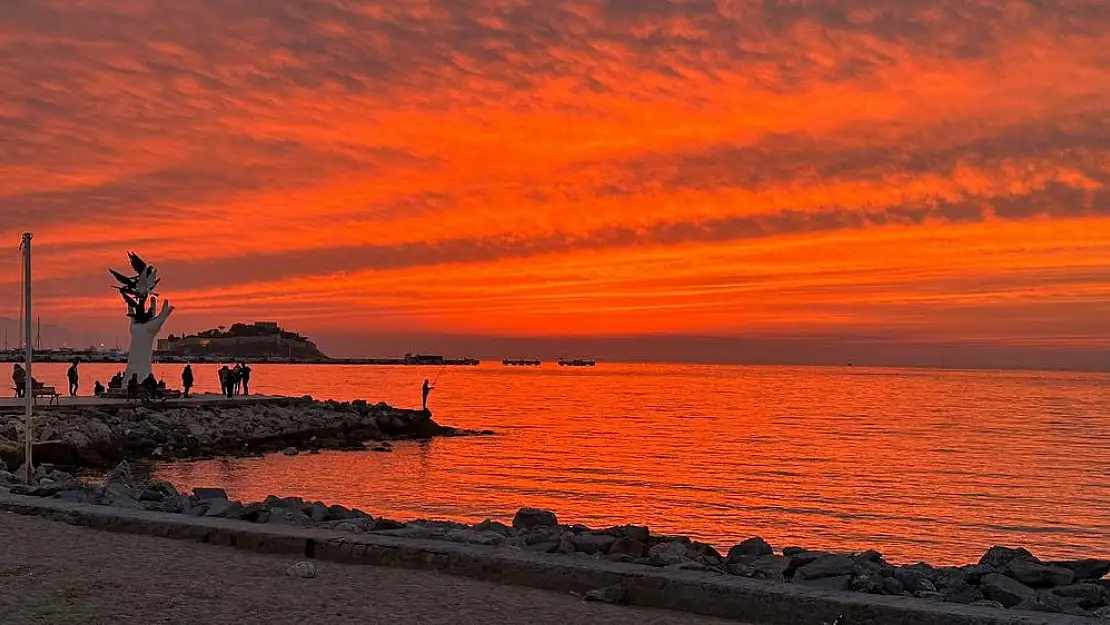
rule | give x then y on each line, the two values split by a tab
1004	579
99	437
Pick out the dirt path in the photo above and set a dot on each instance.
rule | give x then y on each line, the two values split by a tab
56	574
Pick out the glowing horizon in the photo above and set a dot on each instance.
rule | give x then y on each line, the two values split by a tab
577	169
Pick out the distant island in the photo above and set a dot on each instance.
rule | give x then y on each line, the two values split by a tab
257	341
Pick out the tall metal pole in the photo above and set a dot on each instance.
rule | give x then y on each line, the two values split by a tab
29	391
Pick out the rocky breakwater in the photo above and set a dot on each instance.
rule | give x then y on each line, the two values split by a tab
99	437
1004	578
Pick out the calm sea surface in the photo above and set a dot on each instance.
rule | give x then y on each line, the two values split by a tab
921	464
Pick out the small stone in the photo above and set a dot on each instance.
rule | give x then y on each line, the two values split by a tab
593	543
913	580
318	512
530	518
740	569
635	532
7	478
610	594
750	549
290	451
628	546
793	551
494	526
669	553
771	567
987	603
962	592
338	513
838	582
869	556
302	570
350	528
217	507
892	586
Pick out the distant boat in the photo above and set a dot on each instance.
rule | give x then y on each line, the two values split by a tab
577	362
521	362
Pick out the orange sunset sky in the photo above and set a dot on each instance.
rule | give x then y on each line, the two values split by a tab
917	181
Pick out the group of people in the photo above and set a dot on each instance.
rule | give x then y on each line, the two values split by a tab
235	381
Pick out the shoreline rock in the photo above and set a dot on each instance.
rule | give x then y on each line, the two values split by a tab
99	437
1003	579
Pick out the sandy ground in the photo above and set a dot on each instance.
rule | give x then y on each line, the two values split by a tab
57	574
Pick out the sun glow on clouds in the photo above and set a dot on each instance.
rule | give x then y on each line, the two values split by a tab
569	167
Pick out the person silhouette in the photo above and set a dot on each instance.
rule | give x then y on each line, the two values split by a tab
74	378
133	387
424	391
187	378
245	377
19	379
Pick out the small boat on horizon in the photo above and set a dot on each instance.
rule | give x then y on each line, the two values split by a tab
577	362
521	362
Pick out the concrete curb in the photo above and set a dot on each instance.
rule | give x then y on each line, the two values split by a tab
687	591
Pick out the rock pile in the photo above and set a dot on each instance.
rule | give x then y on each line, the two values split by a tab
1003	577
99	437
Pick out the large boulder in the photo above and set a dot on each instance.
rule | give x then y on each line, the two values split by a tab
669	553
749	550
592	543
1000	557
1089	569
1090	596
628	546
826	566
1039	575
961	592
1009	592
532	518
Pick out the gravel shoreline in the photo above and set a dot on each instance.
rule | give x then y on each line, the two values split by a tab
63	575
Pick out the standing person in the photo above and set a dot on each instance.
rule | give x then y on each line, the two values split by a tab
133	387
74	378
150	386
225	373
19	379
187	378
245	375
237	375
427	388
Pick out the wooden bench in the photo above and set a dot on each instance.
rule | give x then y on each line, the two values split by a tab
159	397
41	391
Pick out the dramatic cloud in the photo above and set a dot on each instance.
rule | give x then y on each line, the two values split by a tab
925	168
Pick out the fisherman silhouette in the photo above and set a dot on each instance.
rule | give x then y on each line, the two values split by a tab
427	388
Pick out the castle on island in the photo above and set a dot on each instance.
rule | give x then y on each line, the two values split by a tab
261	340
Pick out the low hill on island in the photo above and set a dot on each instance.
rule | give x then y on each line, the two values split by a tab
261	339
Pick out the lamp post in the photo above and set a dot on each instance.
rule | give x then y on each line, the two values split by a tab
28	394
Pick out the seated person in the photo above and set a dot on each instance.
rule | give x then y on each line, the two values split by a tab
98	389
